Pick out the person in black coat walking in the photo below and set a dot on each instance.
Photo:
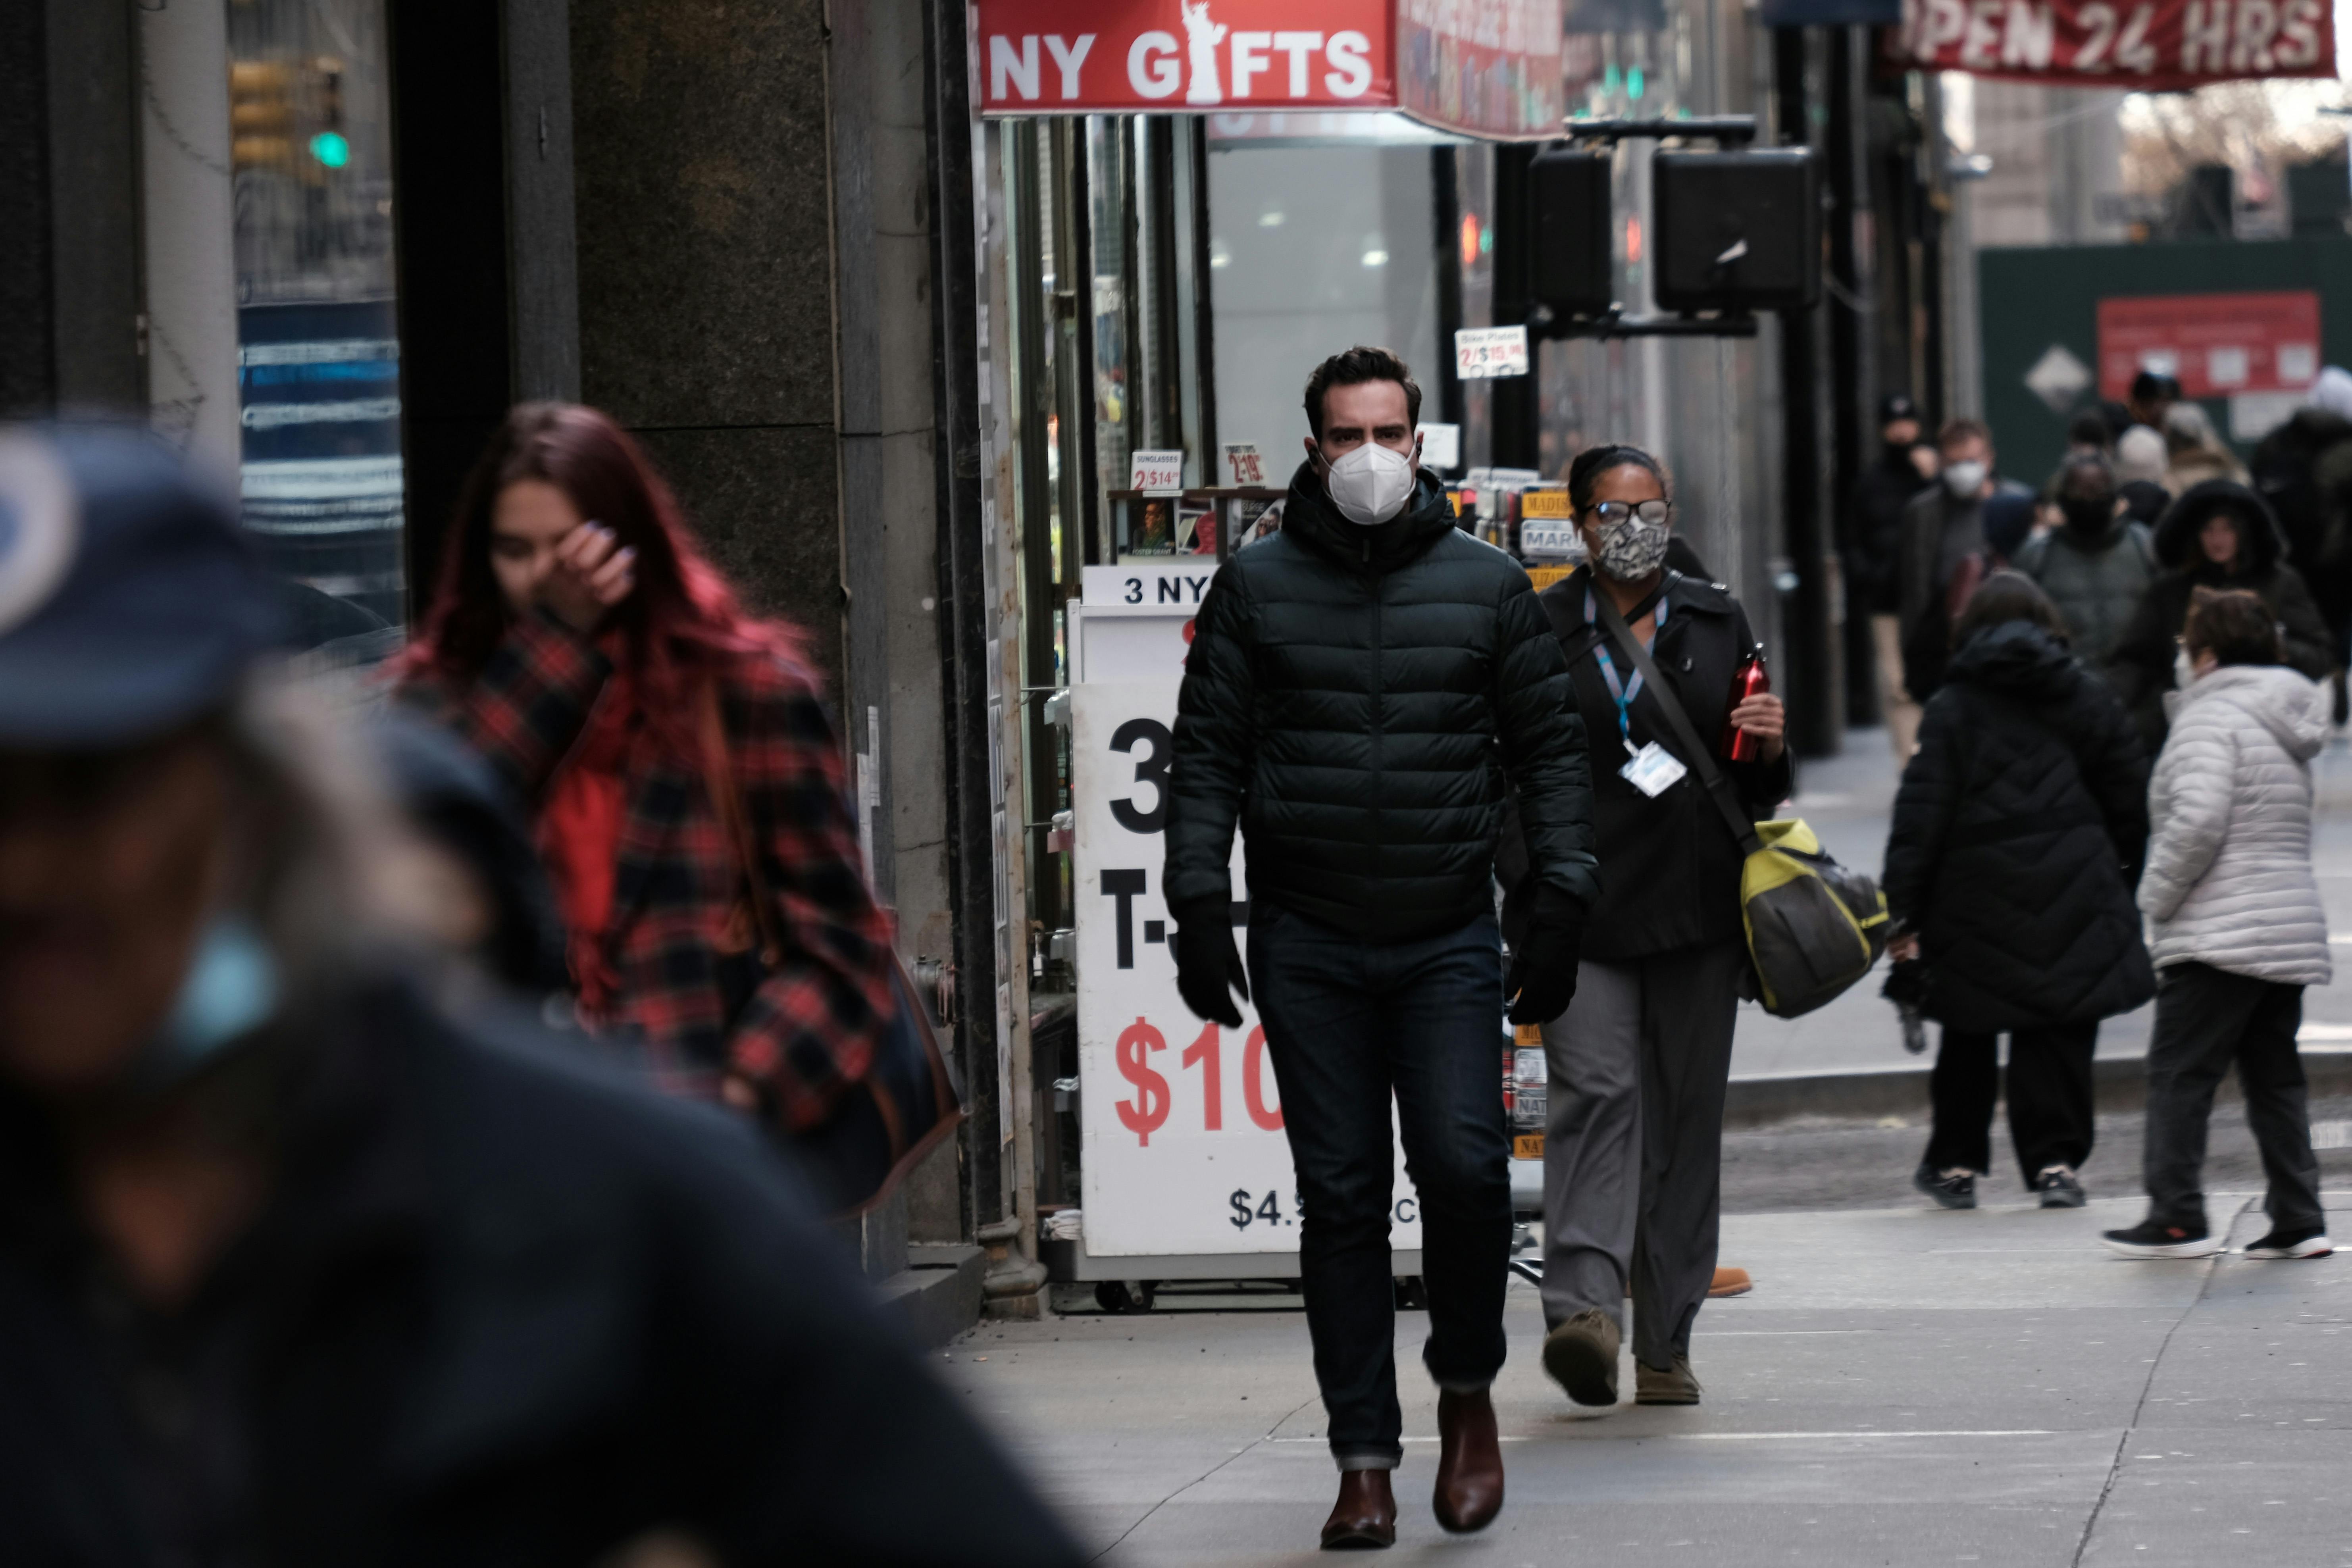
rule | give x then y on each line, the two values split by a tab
1361	689
1640	1060
2219	535
2018	835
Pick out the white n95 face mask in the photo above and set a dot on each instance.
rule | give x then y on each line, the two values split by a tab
1370	484
1964	479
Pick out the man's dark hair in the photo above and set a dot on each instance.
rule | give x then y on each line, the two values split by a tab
1595	461
2093	463
2149	385
2007	596
1963	430
2236	627
1353	368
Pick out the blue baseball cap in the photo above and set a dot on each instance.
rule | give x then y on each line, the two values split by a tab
132	601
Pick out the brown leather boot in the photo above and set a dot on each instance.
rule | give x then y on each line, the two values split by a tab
1364	1519
1469	1462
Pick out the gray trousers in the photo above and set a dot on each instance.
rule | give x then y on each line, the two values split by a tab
1633	1147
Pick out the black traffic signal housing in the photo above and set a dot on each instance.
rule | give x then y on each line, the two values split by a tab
1569	217
1736	231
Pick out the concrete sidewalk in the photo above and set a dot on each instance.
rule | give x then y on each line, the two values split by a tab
1904	1386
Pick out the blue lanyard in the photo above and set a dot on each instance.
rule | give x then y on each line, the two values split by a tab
1621	693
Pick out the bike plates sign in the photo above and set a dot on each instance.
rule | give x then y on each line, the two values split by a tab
1183	1146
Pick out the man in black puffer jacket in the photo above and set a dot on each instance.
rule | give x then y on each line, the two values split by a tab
1359	688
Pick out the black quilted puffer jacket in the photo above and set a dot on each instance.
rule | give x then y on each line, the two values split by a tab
1356	698
2018	838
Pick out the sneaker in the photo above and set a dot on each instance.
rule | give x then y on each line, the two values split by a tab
2060	1187
1676	1385
2149	1239
1955	1188
2304	1241
1582	1357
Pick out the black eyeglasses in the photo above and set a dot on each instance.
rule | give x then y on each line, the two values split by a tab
1649	511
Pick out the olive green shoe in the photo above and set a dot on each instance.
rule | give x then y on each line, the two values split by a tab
1581	1356
1674	1385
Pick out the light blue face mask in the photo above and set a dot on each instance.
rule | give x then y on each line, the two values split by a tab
230	990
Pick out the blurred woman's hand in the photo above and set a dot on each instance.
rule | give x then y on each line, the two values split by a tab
589	576
1904	948
1763	717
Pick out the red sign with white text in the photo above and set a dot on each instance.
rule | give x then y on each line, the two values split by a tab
2138	45
2218	344
1054	56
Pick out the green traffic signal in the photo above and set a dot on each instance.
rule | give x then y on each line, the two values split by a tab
331	149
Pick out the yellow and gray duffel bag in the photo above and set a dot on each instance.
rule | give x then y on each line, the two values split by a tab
1814	927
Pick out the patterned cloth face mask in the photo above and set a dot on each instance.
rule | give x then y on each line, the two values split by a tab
1633	538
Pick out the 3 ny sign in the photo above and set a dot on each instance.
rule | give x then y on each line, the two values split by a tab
1033	57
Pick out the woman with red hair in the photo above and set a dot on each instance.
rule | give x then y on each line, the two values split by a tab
678	762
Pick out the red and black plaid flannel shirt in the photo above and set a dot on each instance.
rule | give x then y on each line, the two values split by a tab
810	1031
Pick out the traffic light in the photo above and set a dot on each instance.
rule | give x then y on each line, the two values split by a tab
260	114
1736	231
1568	202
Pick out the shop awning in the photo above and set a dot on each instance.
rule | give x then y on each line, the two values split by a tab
2138	46
1491	70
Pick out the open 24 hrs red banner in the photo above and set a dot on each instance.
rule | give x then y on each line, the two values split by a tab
2141	45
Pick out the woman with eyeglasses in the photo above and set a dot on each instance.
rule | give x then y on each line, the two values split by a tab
1639	1061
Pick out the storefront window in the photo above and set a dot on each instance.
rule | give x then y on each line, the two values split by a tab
318	354
1313	248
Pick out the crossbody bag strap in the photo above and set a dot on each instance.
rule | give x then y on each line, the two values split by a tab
1701	760
718	778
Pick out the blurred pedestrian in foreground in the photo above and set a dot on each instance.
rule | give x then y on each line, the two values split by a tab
581	642
1905	466
294	1267
1640	1061
2237	929
2017	837
1360	688
2095	564
1942	554
2219	535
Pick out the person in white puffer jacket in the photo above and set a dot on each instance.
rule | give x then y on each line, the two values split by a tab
2236	928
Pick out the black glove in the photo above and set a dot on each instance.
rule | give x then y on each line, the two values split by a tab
1542	981
1207	964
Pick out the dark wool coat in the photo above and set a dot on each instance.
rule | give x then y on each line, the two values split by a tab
2141	672
1356	698
2019	832
503	1307
1669	866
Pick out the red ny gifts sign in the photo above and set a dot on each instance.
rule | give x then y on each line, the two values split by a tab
1055	56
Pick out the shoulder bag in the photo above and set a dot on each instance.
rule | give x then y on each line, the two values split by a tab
1814	927
908	1100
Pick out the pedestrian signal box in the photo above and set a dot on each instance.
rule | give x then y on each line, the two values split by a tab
1736	231
1567	201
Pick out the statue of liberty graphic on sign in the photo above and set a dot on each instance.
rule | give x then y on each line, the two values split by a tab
1202	36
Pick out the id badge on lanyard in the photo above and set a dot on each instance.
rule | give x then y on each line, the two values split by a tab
1652	770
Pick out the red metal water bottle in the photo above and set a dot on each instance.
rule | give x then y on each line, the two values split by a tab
1748	680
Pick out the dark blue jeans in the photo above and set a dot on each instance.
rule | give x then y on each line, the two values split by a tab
1351	1025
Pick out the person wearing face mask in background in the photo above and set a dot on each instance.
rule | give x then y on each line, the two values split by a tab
1905	466
1943	541
2095	565
1359	689
2219	535
1640	1061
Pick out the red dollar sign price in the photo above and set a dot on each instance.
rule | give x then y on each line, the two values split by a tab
1149	1108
